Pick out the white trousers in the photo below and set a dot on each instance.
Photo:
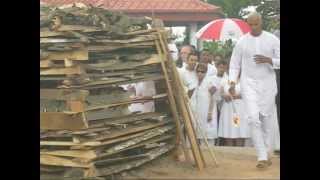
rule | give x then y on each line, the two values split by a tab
260	111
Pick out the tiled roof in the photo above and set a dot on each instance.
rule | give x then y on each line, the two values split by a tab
143	6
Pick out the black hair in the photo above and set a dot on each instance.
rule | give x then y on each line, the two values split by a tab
202	66
196	53
223	62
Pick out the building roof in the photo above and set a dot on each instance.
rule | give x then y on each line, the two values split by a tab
168	10
142	6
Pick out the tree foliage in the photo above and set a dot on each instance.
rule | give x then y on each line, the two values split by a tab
219	48
232	8
269	9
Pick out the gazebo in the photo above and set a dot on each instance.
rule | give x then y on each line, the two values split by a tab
192	14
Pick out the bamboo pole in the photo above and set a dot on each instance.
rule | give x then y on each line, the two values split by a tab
187	103
179	137
198	156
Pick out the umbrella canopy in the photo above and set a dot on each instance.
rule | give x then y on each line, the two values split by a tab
223	29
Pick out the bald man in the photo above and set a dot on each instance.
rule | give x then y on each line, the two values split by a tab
183	55
256	55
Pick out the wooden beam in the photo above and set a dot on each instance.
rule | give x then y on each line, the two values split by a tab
51	34
58	161
136	100
68	143
64	94
76	106
74	28
63	71
80	54
85	154
130	131
62	121
46	64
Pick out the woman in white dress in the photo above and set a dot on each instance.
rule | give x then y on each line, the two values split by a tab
233	131
206	57
204	106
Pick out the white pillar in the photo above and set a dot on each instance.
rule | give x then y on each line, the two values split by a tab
193	31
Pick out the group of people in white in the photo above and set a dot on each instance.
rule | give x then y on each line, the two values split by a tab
232	98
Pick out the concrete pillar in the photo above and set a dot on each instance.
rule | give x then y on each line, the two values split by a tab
193	30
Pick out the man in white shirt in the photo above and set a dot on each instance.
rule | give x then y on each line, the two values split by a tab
183	55
188	74
256	55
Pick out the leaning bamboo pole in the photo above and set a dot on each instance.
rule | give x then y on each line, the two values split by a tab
198	156
187	102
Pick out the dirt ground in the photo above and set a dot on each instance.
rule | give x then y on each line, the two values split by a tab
235	163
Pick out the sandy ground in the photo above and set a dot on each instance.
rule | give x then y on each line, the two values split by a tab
235	163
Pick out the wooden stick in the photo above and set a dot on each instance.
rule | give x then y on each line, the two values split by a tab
186	98
190	132
186	113
179	137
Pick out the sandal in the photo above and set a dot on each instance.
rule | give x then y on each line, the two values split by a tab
263	164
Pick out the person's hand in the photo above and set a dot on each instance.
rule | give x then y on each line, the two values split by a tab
232	89
131	88
237	96
259	59
190	92
212	90
209	119
227	98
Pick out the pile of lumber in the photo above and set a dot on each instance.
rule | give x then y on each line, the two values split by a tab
86	55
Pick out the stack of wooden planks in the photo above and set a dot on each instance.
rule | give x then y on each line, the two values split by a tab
86	55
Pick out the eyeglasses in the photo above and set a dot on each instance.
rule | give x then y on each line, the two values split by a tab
201	72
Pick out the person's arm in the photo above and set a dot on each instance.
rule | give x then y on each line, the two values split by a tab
235	63
274	61
235	66
224	95
276	53
210	110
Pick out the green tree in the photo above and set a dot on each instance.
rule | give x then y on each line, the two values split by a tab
219	48
232	8
270	11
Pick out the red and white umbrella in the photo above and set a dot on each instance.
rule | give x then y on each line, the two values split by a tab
223	29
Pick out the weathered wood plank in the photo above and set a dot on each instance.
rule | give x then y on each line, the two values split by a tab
74	28
76	106
64	94
46	64
86	154
136	100
68	143
148	31
125	159
63	71
60	40
136	39
128	131
58	161
61	120
116	81
120	167
80	54
51	34
106	48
